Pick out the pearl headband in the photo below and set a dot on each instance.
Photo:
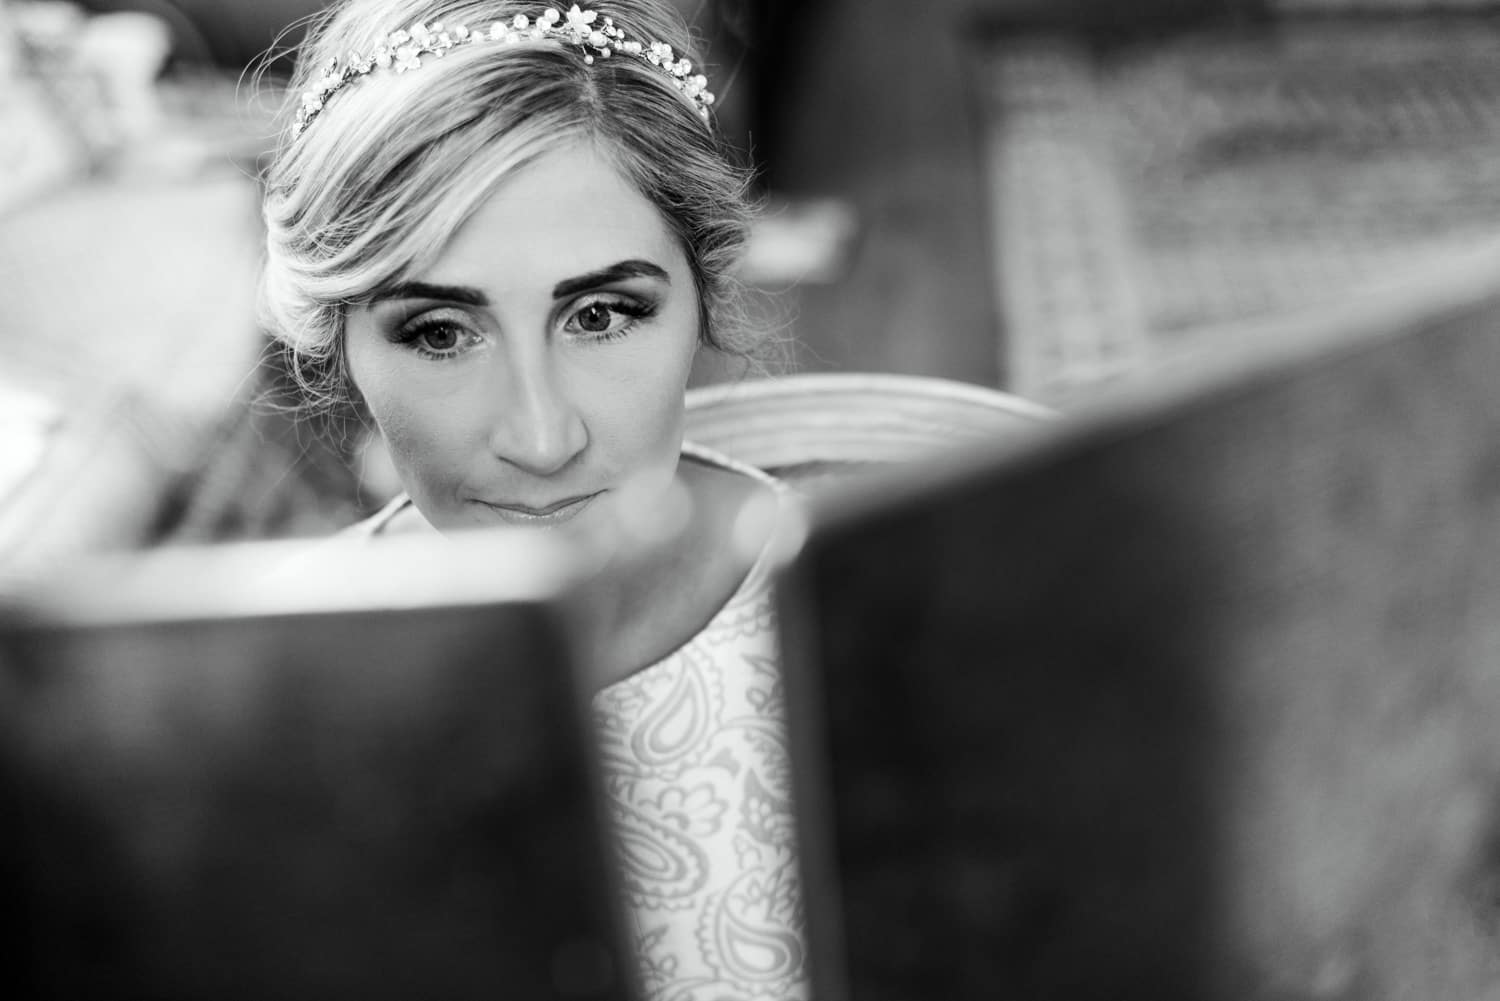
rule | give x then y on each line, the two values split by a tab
597	37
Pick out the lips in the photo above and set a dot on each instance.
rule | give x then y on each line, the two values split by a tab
552	513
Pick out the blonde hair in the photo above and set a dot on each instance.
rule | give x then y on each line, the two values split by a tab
379	182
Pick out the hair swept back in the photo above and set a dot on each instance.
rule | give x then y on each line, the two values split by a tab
377	184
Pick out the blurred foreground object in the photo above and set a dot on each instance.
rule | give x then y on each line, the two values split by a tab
303	772
1190	695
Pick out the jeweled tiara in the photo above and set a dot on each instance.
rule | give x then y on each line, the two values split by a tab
403	50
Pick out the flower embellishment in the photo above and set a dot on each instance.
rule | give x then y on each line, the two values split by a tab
406	59
597	36
579	20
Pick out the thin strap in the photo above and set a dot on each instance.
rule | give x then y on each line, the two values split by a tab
703	453
376	523
761	566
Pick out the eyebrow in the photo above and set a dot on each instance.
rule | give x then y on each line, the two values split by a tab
426	290
470	296
633	268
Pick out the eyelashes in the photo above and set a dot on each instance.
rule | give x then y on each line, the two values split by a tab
443	334
587	314
437	337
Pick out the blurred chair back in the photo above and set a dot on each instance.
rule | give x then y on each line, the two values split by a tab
805	426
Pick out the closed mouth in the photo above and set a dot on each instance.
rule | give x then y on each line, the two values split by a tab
550	514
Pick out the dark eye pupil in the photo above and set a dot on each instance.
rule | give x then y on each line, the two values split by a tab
440	338
594	318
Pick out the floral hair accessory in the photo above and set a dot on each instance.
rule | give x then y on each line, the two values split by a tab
584	29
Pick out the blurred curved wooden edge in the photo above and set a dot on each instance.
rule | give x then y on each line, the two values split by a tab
850	418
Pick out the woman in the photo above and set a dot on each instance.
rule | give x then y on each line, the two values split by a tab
505	231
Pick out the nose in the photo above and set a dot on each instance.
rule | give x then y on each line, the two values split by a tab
536	426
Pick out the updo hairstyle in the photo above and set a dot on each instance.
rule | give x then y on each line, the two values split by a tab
379	182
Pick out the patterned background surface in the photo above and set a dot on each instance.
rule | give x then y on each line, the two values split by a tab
1144	196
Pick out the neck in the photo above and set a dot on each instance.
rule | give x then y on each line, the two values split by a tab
641	609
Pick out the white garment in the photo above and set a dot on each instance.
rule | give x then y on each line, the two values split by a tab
698	778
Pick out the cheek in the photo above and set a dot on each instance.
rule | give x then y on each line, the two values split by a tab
641	413
417	424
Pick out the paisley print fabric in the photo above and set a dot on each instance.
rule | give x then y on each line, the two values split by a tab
699	785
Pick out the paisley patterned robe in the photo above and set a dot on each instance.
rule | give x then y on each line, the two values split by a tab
697	774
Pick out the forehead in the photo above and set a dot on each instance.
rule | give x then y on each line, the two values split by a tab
567	212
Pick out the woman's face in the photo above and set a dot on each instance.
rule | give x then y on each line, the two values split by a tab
534	375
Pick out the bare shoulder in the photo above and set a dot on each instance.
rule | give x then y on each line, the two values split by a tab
722	491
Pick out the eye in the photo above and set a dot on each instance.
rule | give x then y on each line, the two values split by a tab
594	318
437	338
607	317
